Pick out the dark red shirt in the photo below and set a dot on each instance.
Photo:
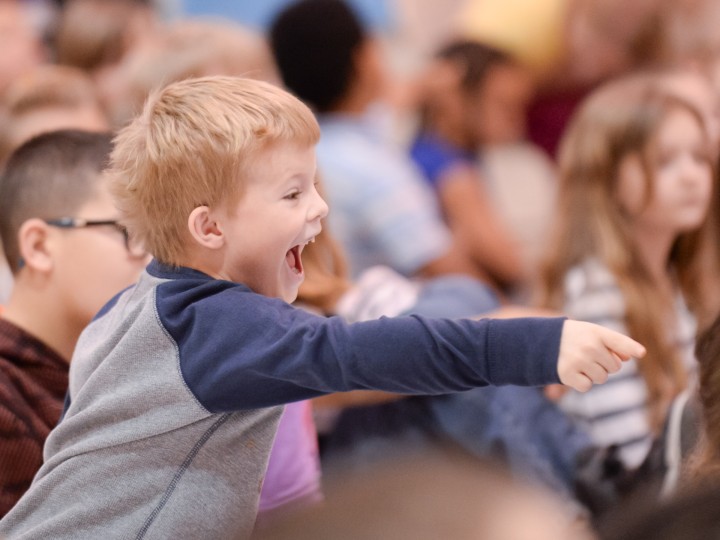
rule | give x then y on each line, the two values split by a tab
33	382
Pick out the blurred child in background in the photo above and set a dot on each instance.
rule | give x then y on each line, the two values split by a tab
637	178
69	256
48	98
496	193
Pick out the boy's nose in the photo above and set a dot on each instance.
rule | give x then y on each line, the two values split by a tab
320	208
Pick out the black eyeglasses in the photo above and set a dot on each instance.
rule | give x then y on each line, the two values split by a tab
133	248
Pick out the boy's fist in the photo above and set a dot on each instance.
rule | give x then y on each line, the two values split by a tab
589	352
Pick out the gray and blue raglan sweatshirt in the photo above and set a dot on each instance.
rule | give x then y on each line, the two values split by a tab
176	389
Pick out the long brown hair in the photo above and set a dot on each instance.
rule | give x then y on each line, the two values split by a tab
618	120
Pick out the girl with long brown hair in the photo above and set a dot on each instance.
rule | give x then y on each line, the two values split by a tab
637	177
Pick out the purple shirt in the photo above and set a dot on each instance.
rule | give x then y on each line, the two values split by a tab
293	472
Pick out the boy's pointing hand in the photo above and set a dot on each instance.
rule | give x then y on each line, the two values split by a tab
589	352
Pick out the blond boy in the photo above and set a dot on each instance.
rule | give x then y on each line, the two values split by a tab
176	387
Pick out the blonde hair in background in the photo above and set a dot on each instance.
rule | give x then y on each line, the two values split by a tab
191	146
43	88
225	47
95	33
185	49
618	119
50	86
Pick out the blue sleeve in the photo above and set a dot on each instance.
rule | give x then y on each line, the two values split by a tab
239	350
435	156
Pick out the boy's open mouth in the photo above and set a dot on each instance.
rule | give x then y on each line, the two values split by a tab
293	257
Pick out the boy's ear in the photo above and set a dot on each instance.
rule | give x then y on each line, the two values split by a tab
205	229
33	245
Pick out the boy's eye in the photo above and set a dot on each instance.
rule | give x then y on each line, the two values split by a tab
292	196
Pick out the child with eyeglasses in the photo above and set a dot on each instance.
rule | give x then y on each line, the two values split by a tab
177	385
65	269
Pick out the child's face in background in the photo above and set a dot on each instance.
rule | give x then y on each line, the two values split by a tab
92	264
681	176
495	113
279	213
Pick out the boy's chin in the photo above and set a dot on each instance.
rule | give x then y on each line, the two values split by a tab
290	297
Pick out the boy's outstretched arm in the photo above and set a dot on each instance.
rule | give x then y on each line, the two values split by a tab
589	352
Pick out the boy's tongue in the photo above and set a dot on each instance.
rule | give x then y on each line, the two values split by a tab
292	257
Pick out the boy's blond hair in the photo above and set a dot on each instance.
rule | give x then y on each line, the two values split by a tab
191	146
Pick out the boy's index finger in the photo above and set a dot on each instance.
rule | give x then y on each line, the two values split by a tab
621	345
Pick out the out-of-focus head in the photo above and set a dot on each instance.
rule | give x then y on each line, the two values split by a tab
181	50
483	97
428	497
317	44
612	158
619	123
689	31
606	39
92	34
48	98
222	48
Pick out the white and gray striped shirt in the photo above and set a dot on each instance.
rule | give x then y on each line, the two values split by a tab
617	412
